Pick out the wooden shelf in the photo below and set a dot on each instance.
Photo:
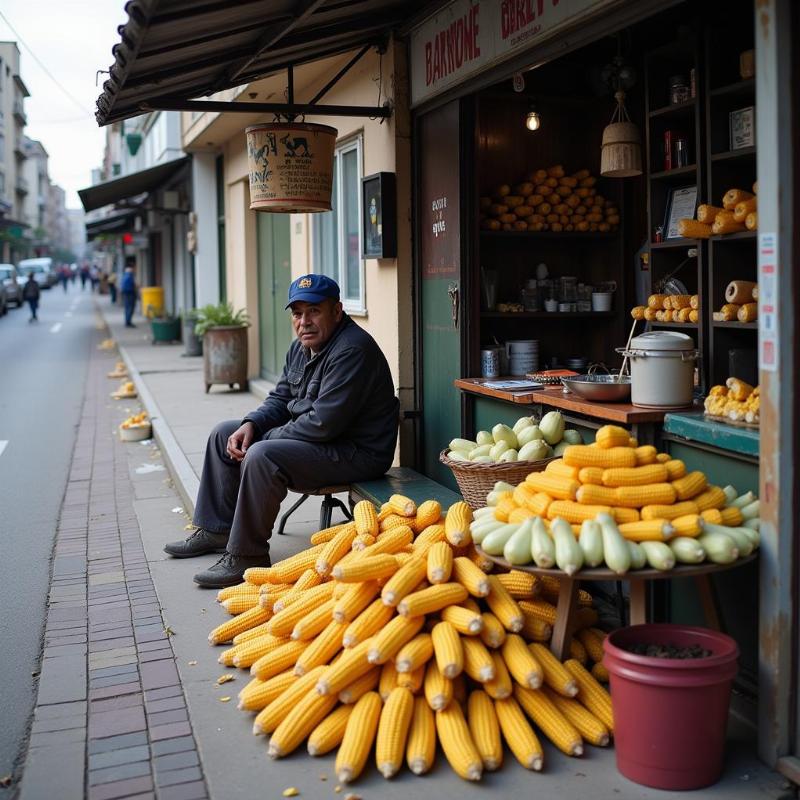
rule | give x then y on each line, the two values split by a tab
675	109
674	174
743	88
727	155
742	326
588	235
656	324
551	315
673	243
734	237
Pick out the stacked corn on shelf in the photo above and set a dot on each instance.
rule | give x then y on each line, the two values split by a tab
616	503
389	631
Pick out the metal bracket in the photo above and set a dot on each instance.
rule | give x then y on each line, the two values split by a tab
452	291
285	109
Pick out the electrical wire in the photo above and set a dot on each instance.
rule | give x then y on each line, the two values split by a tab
46	71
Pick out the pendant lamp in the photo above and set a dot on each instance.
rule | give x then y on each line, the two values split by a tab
621	153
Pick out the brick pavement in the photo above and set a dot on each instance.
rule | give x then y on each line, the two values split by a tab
110	719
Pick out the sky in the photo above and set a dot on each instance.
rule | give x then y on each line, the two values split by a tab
73	40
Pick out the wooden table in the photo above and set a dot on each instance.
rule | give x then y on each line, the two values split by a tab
568	594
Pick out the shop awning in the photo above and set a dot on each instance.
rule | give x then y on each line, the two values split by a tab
146	180
180	49
114	223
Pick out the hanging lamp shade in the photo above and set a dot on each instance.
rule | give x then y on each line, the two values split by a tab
621	153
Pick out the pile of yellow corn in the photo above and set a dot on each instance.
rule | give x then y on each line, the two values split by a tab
388	631
139	420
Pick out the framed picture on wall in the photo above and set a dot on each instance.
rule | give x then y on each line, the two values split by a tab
379	216
681	204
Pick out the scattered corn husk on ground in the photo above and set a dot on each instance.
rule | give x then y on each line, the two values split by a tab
388	634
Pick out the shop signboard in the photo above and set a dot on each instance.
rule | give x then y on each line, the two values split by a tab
467	36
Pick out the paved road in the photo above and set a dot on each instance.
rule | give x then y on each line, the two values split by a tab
42	381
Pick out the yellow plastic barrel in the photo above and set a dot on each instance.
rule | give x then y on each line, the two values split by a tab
152	301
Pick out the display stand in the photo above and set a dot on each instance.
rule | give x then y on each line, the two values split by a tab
568	593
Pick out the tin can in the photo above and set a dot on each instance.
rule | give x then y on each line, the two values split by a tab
490	362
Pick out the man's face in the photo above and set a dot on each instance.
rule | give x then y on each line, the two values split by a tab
315	323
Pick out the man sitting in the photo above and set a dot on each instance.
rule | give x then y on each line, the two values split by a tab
332	418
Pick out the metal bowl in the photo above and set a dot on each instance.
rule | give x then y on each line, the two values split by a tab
600	388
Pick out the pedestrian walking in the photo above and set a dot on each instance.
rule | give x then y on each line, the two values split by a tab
94	277
30	293
332	418
128	291
112	286
63	276
84	276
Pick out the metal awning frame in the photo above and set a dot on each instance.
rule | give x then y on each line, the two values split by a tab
289	110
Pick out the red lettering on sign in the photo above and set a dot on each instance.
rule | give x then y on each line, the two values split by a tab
518	14
452	47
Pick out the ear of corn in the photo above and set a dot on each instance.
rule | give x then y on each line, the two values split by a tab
404	581
284	621
600	673
243	622
635	476
519	735
592	643
440	562
278	660
432	599
647	530
447	649
651	494
713	497
466	621
580	455
392	521
438	689
428	513
501	685
338	547
362	727
257	576
366	568
322	649
299	723
645	454
388	680
523	666
558	467
456	524
675	469
577	512
259	694
457	743
731	516
478	662
539	503
591	694
412	680
387	641
593	496
592	475
503	606
535	629
252	633
355	600
367	623
540	608
402	505
687	525
470	576
326	534
429	537
365	517
349	668
492	634
485	729
554	485
421	747
366	683
308	580
239	588
247	653
577	651
589	727
415	653
625	514
671	511
290	569
609	436
273	712
392	541
393	727
690	485
550	720
330	732
554	674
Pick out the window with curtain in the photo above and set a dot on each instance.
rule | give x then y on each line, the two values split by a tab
336	233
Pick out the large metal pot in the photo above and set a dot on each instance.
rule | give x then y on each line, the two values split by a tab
662	369
225	356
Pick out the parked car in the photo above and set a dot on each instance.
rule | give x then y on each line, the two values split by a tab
3	301
8	279
42	268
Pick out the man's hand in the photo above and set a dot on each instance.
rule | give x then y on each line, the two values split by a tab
240	440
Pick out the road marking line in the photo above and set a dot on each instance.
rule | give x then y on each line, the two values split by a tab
3	445
56	328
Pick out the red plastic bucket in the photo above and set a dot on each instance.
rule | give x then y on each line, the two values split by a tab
670	715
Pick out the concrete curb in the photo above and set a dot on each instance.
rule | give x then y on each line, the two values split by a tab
186	481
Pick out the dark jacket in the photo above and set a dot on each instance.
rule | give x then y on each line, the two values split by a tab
343	396
128	285
31	291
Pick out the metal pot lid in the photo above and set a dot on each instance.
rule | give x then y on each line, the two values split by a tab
662	340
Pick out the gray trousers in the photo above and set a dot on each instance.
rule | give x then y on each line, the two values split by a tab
243	499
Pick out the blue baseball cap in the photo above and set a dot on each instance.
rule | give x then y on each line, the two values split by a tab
313	289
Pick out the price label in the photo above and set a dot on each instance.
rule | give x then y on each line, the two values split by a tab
768	339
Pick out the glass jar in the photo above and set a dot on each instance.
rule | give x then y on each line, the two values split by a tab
678	89
568	290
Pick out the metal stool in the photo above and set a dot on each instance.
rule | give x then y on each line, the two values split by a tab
328	504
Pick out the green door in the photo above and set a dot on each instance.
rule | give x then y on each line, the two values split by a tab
274	277
439	266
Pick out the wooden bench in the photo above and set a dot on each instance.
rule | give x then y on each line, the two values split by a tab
405	481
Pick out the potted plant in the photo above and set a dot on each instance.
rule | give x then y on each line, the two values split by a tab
192	343
165	328
224	335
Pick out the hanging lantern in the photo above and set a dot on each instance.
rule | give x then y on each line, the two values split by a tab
621	153
290	166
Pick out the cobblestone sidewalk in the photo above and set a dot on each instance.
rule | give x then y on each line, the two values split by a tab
110	718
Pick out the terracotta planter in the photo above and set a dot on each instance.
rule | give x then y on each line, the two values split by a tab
225	356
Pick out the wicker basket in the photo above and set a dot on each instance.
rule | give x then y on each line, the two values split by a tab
475	481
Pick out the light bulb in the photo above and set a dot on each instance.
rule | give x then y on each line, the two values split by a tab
533	121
